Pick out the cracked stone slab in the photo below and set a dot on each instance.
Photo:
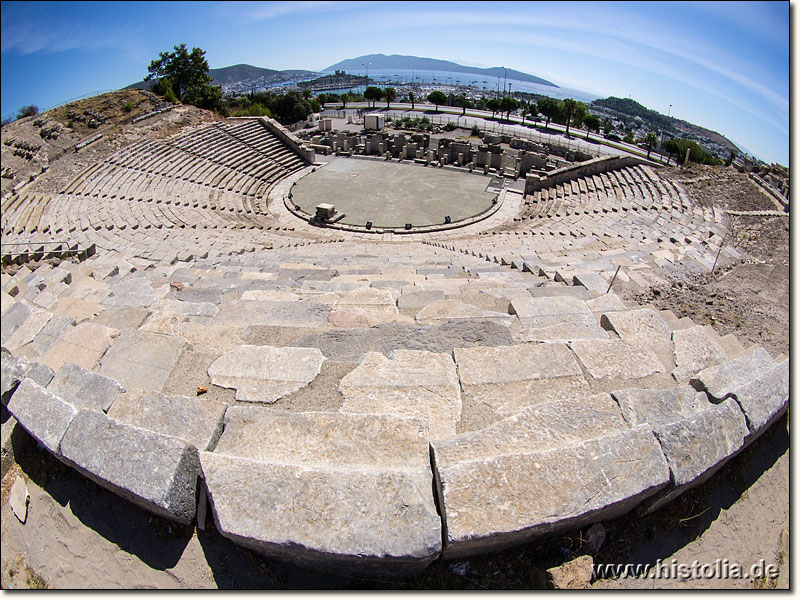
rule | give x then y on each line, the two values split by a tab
696	348
510	378
196	421
349	519
16	368
25	333
42	414
13	318
697	447
765	398
411	383
659	407
155	471
141	360
84	389
498	502
539	427
264	373
617	359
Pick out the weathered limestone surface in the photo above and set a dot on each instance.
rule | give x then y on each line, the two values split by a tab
352	346
419	299
325	516
412	383
142	360
697	447
606	303
197	421
640	325
158	472
273	313
28	330
264	373
617	359
203	309
437	313
84	389
539	427
13	369
386	442
44	415
510	378
82	345
556	319
566	487
13	319
659	407
724	379
765	399
696	348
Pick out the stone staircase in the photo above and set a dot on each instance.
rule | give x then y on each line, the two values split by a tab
372	406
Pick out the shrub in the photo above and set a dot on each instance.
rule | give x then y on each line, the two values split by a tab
476	131
450	126
128	106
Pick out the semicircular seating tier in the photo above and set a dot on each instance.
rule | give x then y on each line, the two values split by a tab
371	407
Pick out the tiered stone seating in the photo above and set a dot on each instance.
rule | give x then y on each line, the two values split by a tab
372	406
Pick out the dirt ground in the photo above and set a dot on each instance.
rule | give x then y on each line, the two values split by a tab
78	535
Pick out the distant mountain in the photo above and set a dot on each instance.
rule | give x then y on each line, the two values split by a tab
397	61
242	73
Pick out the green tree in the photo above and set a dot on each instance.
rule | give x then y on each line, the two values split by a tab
592	123
533	110
411	97
373	93
608	127
462	102
569	107
650	139
549	108
390	94
436	98
28	111
493	105
507	105
344	98
185	70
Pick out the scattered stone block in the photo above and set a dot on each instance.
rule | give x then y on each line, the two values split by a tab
411	383
141	360
510	378
265	374
84	389
197	422
155	471
495	503
18	499
575	574
617	359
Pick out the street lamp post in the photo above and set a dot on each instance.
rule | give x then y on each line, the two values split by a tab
661	143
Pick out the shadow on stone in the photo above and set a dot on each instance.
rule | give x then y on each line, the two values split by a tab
157	542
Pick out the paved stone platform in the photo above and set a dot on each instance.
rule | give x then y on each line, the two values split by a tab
391	194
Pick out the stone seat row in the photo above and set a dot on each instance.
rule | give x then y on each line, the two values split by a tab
260	496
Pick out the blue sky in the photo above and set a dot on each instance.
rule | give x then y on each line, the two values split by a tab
721	65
